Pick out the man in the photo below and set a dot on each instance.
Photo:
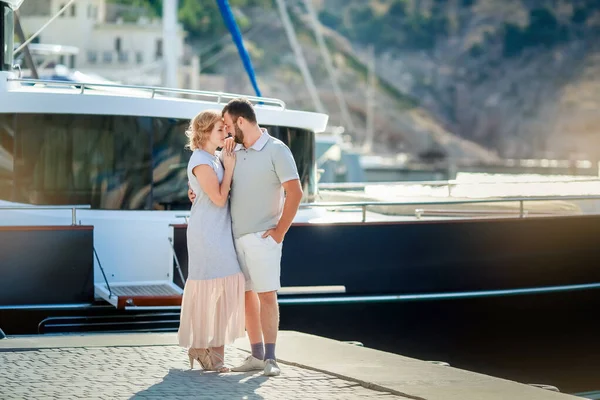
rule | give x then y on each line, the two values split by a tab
261	216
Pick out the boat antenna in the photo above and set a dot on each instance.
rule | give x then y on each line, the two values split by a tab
58	14
291	34
339	95
169	30
28	59
371	82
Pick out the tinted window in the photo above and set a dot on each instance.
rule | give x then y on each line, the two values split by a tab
103	161
111	162
170	160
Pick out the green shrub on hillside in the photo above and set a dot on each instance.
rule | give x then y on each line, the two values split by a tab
399	27
543	30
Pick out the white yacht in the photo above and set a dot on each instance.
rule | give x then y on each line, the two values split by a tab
117	153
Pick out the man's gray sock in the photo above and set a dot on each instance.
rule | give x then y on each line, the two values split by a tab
270	351
258	350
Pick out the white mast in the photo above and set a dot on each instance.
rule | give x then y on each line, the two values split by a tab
291	34
368	145
346	119
169	43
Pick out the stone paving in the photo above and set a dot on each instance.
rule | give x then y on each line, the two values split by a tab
153	372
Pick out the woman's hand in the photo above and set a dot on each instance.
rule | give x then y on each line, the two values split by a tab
228	160
229	144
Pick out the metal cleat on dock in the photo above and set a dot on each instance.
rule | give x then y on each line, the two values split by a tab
547	387
442	363
355	343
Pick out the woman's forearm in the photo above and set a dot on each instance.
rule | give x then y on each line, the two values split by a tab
226	185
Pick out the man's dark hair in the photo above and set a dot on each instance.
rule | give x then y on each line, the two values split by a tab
240	107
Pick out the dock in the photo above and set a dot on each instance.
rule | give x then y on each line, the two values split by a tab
153	366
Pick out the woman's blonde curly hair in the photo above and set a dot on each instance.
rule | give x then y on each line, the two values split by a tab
200	128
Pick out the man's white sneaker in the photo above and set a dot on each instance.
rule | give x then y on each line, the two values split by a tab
271	368
251	363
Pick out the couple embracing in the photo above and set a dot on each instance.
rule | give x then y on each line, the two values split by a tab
244	199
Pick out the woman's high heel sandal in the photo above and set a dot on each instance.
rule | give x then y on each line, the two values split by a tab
200	355
218	366
205	359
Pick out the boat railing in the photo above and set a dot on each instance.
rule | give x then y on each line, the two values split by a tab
448	184
420	211
417	207
151	91
73	209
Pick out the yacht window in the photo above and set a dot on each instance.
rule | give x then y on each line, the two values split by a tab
118	44
139	57
107	57
170	158
103	161
73	12
111	162
6	38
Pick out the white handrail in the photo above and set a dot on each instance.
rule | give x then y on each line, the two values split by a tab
220	97
468	201
46	208
362	185
449	184
364	204
521	200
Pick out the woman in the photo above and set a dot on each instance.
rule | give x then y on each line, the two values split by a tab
212	309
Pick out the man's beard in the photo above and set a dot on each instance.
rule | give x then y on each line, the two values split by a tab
238	136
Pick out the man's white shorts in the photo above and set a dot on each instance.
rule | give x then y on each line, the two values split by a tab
260	260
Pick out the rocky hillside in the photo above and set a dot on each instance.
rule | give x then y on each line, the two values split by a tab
517	76
476	78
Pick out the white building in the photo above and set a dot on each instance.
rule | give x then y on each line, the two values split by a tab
118	43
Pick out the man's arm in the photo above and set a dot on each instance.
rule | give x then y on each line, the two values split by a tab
293	197
287	173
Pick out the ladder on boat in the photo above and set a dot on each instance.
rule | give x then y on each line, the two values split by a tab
140	294
167	294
